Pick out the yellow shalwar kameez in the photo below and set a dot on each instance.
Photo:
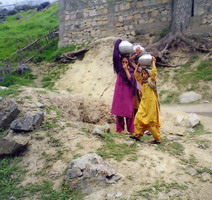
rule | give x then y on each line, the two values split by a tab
147	117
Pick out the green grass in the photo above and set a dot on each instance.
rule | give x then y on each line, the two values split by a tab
10	176
112	149
45	191
18	33
14	82
173	148
11	91
164	32
199	130
152	191
53	52
188	76
18	79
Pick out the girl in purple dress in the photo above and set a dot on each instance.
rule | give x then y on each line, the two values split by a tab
125	90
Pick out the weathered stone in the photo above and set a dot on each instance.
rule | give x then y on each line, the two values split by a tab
27	123
90	173
97	131
187	120
8	112
192	171
193	119
40	105
12	145
188	97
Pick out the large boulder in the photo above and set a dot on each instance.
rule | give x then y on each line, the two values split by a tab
8	112
27	123
90	173
188	97
12	145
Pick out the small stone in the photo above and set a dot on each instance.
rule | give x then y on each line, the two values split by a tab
97	131
54	175
118	194
190	130
110	195
192	172
206	176
40	105
173	138
130	143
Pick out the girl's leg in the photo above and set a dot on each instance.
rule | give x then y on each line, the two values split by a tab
139	127
130	124
155	133
119	124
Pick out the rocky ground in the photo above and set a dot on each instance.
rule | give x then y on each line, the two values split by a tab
179	168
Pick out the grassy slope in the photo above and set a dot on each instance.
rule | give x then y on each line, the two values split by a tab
15	33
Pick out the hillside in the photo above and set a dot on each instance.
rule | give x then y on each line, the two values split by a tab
16	33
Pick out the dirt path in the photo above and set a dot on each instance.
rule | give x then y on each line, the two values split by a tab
199	109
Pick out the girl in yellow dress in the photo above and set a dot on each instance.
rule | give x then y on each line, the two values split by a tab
147	117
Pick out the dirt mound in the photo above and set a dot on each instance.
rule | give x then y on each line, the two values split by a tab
94	75
71	106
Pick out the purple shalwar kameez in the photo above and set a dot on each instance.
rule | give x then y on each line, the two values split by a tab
123	99
123	104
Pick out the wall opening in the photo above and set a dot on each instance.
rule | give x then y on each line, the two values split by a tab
192	8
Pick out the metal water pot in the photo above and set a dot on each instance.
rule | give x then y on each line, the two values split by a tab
125	47
135	46
145	60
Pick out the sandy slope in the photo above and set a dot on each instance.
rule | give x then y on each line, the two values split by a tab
93	76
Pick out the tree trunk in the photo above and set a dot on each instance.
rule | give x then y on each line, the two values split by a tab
181	13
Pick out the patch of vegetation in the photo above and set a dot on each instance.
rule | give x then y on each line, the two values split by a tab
53	52
192	161
204	170
13	82
53	157
112	149
77	155
14	33
10	177
45	191
187	76
173	148
199	130
10	91
164	32
17	79
168	97
54	109
152	191
54	142
49	125
53	75
3	132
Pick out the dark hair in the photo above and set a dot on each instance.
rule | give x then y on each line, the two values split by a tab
144	69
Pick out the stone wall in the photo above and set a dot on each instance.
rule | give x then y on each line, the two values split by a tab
201	21
85	20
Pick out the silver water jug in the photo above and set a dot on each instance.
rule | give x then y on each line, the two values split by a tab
145	60
135	46
125	47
